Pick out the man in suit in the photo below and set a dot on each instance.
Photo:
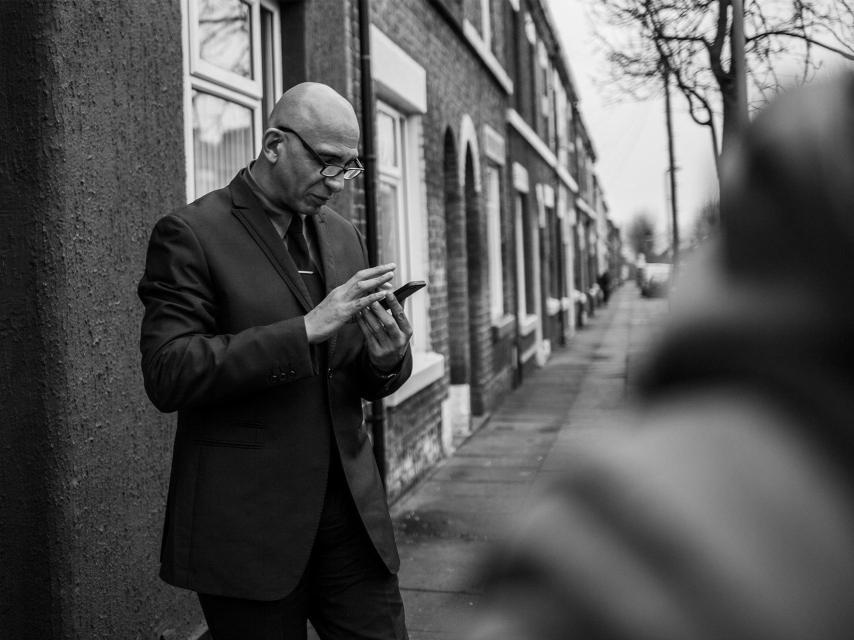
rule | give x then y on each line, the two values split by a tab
263	330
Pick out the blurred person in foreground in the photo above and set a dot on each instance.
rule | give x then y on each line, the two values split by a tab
263	329
728	510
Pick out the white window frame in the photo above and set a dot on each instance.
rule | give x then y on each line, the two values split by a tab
205	77
400	177
492	194
530	28
401	87
519	228
486	22
204	69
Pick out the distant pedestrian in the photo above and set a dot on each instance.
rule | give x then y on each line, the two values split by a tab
604	282
728	512
276	512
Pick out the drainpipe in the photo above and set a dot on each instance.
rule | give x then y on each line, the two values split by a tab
376	417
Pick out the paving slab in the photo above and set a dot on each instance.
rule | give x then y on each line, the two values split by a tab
446	522
439	612
485	473
437	564
459	459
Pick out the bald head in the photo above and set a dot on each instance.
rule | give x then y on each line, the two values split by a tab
311	127
318	112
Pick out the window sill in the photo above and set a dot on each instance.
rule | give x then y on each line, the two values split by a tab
503	327
427	367
488	58
528	324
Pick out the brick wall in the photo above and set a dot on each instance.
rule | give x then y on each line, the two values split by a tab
458	85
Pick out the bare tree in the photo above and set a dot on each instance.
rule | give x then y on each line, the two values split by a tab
640	235
707	223
692	40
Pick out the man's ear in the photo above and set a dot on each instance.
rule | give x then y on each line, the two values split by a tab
270	144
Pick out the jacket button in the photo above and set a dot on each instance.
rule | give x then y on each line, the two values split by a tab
330	373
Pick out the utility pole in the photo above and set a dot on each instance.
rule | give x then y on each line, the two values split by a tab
674	211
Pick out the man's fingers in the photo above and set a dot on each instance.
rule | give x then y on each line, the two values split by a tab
372	284
370	333
362	304
399	315
373	272
380	318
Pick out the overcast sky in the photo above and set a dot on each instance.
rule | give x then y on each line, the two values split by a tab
631	139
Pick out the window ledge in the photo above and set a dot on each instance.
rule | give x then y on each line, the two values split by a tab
528	324
426	369
489	59
503	327
530	353
532	138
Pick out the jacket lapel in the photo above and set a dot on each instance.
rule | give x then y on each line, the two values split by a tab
326	250
332	278
327	257
247	208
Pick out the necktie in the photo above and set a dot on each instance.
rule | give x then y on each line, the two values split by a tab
298	248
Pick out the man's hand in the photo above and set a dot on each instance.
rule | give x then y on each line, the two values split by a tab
346	301
387	333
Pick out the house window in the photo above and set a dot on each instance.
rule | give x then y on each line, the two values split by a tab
531	70
401	225
524	256
233	80
554	240
493	230
391	130
486	22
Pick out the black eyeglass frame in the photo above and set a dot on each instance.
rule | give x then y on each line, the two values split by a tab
348	173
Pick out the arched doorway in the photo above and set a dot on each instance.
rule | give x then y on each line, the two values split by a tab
459	411
465	263
455	247
476	263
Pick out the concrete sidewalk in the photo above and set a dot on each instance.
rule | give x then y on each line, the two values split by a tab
445	523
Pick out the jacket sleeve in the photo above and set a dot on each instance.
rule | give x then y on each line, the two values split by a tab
376	385
186	359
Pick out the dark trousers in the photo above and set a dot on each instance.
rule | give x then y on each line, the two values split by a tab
346	591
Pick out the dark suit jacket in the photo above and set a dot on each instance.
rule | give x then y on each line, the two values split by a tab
224	343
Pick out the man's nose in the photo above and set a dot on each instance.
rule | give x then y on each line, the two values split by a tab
334	184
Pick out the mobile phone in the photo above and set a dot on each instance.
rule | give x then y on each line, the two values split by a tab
404	291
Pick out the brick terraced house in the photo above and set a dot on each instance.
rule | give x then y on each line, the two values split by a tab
482	182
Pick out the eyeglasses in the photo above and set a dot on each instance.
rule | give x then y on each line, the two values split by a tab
328	170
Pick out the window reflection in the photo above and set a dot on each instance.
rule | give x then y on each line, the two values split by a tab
386	140
389	202
225	36
222	140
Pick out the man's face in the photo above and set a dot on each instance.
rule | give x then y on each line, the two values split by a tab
299	184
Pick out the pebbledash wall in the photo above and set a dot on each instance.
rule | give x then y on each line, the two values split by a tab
94	152
92	155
